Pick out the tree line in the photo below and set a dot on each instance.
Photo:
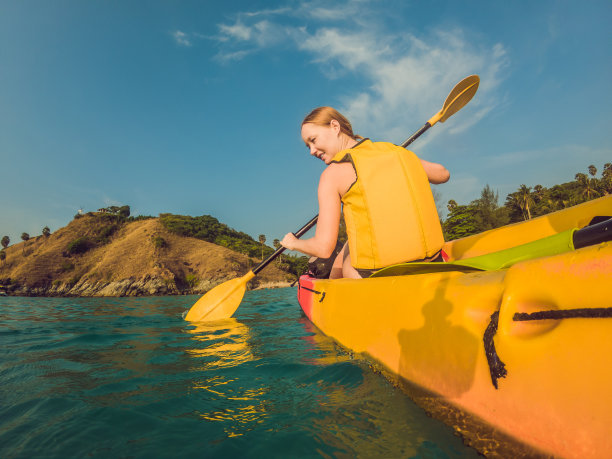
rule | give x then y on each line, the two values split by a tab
525	203
25	237
209	229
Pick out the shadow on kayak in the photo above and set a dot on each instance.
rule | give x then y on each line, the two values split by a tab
440	353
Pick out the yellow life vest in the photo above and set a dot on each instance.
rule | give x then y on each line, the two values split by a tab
389	210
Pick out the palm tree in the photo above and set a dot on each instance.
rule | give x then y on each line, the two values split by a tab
26	238
277	245
606	178
539	192
588	187
46	232
262	241
5	241
592	170
525	199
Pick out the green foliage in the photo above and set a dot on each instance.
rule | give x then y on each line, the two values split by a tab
461	222
262	241
105	232
139	218
116	213
46	231
296	265
6	241
158	242
67	266
80	245
121	211
25	237
480	215
525	203
191	280
210	229
488	213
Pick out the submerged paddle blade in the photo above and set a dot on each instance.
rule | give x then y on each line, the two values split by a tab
221	302
461	94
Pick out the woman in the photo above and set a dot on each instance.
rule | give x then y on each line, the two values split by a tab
389	210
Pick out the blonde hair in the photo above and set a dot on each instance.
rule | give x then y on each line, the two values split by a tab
322	116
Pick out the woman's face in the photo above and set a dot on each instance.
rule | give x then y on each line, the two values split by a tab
323	141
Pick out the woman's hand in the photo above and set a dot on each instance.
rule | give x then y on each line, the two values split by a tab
289	241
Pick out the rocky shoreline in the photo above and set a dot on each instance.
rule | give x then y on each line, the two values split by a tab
146	286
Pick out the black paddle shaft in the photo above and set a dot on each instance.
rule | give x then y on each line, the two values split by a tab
593	234
303	230
416	135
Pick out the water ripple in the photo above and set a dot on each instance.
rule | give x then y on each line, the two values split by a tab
127	377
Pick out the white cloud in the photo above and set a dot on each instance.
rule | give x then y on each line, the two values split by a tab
406	76
237	31
257	36
235	56
181	38
277	11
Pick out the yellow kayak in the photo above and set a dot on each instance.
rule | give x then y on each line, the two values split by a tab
521	344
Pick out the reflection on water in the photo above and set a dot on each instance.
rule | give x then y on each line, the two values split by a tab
222	343
129	377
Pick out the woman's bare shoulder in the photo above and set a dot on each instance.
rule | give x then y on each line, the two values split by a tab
338	176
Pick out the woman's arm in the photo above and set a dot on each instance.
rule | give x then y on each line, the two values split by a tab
436	173
324	241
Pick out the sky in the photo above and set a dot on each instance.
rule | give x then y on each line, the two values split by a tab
194	107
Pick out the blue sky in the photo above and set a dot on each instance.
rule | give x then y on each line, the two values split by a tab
194	107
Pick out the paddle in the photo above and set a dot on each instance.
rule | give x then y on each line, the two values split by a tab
223	300
461	94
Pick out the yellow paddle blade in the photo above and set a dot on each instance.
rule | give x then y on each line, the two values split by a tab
461	94
221	302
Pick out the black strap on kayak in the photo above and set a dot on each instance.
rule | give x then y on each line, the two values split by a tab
497	368
586	313
313	291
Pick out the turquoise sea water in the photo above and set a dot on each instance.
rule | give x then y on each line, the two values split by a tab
128	377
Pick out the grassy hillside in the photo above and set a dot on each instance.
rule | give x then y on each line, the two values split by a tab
105	254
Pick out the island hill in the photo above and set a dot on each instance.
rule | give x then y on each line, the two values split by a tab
108	253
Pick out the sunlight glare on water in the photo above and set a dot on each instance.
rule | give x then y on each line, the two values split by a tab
119	377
